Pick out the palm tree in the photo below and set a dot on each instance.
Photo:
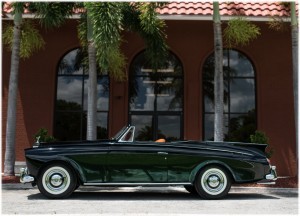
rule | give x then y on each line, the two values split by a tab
9	161
19	48
294	30
92	85
218	77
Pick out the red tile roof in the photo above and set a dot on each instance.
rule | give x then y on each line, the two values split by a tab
226	8
257	9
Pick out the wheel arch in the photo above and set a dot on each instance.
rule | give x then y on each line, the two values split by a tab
69	163
202	165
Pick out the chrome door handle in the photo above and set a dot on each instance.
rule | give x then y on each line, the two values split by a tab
162	153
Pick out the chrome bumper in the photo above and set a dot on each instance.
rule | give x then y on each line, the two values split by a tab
270	178
25	177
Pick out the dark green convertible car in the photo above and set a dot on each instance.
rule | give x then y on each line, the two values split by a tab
204	168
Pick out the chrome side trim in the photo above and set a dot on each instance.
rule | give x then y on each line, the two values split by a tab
136	184
264	182
222	150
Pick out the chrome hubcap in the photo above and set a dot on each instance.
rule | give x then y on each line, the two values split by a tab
213	181
56	180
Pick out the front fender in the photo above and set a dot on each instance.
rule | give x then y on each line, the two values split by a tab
76	168
36	166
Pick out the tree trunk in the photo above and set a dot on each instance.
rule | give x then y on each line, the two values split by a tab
218	77
92	87
294	30
9	161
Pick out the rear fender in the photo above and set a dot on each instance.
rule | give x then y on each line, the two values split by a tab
196	170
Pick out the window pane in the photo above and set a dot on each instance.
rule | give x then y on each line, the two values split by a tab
143	127
208	104
241	127
72	96
242	95
169	94
169	127
71	63
142	93
240	65
209	127
239	93
102	93
68	126
102	132
69	93
154	91
102	123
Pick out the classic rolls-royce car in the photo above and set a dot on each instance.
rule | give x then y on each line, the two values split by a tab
204	168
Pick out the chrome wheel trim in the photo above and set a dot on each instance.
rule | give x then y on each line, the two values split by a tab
56	180
214	181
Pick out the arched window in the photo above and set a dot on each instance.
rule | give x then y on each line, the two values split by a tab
156	99
239	97
71	99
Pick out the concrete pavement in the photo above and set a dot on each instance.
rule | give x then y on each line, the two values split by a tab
24	199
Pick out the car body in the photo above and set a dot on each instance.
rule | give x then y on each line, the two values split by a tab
204	168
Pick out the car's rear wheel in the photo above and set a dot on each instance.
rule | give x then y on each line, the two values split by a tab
213	182
57	181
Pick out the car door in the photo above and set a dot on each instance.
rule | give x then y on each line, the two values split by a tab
136	162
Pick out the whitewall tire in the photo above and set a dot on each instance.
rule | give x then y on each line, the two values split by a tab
56	181
213	182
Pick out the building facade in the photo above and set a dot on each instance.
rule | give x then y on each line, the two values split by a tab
174	103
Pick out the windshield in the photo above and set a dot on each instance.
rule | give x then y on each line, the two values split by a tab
119	133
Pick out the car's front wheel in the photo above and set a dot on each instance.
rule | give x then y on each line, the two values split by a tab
57	181
213	182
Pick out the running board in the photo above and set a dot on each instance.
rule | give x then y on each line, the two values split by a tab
137	184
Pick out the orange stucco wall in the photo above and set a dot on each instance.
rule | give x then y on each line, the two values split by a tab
192	42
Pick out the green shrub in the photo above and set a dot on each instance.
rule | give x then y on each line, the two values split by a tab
260	137
42	136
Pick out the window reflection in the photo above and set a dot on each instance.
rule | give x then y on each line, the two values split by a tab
142	97
169	127
152	92
71	99
143	127
242	95
69	89
239	97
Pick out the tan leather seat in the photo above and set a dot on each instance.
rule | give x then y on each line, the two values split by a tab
160	141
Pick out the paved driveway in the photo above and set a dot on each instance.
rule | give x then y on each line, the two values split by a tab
20	199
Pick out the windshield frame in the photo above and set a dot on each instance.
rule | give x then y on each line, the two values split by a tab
120	133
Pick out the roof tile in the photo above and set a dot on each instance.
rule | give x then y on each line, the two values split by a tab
226	8
263	9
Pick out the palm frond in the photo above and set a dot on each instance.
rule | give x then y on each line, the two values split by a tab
52	14
106	18
31	39
142	18
239	31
